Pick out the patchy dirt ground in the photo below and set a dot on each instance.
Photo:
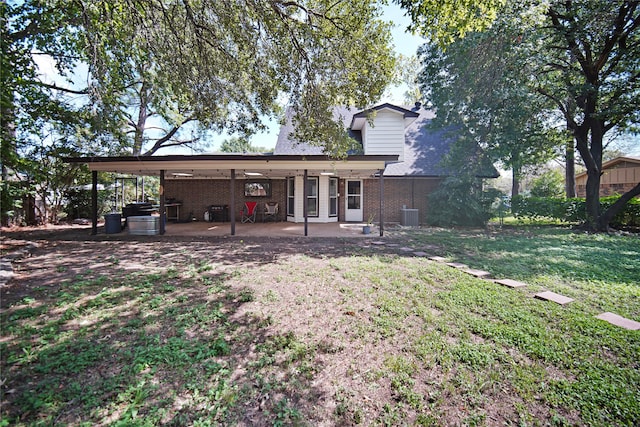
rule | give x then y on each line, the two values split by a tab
312	343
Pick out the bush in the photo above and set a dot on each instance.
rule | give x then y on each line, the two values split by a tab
79	203
549	184
459	201
573	210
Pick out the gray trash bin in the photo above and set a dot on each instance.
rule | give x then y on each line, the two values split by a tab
112	223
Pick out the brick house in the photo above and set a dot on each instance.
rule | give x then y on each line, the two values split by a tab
396	167
618	176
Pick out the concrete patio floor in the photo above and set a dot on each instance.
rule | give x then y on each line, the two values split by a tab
270	229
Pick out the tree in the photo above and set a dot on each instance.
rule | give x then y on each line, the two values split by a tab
585	59
186	67
477	88
240	145
232	62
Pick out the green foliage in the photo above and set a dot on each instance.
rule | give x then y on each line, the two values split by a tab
240	145
78	203
573	210
458	201
570	59
549	184
445	20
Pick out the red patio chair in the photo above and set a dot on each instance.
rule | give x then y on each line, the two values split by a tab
248	213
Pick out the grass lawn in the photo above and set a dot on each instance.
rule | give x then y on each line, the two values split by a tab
323	332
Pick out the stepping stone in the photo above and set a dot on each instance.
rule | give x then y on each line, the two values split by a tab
377	242
393	245
510	283
438	259
420	253
552	296
478	273
457	265
405	249
617	320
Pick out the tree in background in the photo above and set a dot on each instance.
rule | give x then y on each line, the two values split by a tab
240	145
478	88
549	184
585	59
160	73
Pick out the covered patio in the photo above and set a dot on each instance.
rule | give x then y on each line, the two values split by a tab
269	229
231	167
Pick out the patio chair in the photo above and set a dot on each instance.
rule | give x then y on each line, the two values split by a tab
270	211
248	213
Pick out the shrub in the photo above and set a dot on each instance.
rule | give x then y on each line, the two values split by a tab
549	184
573	210
460	201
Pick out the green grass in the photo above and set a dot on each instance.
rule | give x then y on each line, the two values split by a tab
358	336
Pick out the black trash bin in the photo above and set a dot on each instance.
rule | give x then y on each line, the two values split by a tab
112	223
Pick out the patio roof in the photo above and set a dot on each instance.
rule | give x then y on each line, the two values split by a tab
220	165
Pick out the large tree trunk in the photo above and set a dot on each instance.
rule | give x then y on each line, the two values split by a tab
515	184
570	170
589	143
608	215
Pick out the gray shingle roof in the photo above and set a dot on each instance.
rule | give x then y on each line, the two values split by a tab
423	151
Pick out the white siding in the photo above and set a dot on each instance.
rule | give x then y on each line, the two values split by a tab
323	202
386	136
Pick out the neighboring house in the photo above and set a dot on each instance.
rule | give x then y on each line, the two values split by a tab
618	176
395	140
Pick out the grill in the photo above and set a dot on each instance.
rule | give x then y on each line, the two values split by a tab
218	213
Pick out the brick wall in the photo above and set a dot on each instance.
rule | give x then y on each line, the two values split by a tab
197	195
411	192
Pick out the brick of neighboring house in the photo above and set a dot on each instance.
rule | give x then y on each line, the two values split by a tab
618	176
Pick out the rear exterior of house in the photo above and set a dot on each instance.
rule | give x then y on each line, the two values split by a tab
340	195
618	176
396	166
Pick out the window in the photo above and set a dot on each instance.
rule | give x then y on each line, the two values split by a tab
312	196
333	196
291	201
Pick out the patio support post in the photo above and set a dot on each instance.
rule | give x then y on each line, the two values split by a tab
94	203
163	214
232	208
304	203
381	202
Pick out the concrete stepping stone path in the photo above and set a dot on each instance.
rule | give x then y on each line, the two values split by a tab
481	274
438	259
457	265
618	320
510	283
552	296
421	254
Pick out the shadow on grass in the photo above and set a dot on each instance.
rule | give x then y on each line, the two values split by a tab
120	333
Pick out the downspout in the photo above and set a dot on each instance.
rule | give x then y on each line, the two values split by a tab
381	226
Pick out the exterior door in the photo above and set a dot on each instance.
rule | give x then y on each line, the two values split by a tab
353	209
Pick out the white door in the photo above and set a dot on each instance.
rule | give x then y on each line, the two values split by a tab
353	211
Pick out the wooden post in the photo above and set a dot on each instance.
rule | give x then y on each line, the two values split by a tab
232	207
94	203
163	213
304	203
